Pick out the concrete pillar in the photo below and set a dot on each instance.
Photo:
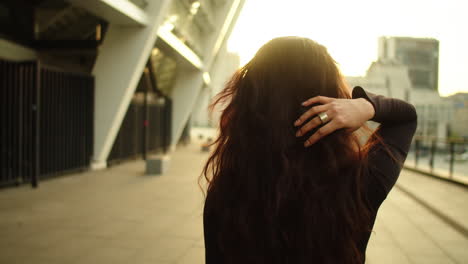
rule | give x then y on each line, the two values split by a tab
119	65
190	79
225	65
442	129
200	118
189	82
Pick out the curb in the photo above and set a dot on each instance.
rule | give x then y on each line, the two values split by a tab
437	176
438	213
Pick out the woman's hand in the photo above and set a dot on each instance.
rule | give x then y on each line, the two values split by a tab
342	113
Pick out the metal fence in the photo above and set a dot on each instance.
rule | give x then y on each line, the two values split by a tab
18	122
46	121
447	158
146	127
66	121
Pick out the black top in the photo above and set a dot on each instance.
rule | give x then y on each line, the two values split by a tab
398	122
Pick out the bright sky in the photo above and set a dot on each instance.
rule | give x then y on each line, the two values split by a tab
350	29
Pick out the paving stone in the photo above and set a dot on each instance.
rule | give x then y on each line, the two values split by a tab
166	248
195	255
446	197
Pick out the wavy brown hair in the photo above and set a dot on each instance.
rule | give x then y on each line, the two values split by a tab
275	201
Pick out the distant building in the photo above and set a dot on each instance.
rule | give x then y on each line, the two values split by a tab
459	124
407	68
420	55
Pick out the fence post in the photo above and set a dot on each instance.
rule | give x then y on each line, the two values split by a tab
431	160
452	158
145	129
416	152
37	139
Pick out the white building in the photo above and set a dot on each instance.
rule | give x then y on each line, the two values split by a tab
459	124
407	68
420	55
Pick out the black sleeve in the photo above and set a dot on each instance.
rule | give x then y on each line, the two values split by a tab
398	121
212	252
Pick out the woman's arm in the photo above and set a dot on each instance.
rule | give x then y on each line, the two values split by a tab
397	120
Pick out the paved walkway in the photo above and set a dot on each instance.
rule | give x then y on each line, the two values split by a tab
406	232
448	199
119	215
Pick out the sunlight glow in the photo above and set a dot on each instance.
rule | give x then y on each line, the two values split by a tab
350	30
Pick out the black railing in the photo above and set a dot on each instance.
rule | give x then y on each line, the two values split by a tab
146	127
447	158
46	121
66	134
18	122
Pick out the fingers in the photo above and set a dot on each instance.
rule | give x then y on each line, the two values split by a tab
311	112
315	122
322	132
318	99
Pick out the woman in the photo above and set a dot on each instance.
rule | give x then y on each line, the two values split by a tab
289	180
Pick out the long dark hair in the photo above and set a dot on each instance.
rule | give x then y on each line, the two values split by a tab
274	200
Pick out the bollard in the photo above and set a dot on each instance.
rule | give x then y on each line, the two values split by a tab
157	165
431	160
452	158
207	145
416	152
